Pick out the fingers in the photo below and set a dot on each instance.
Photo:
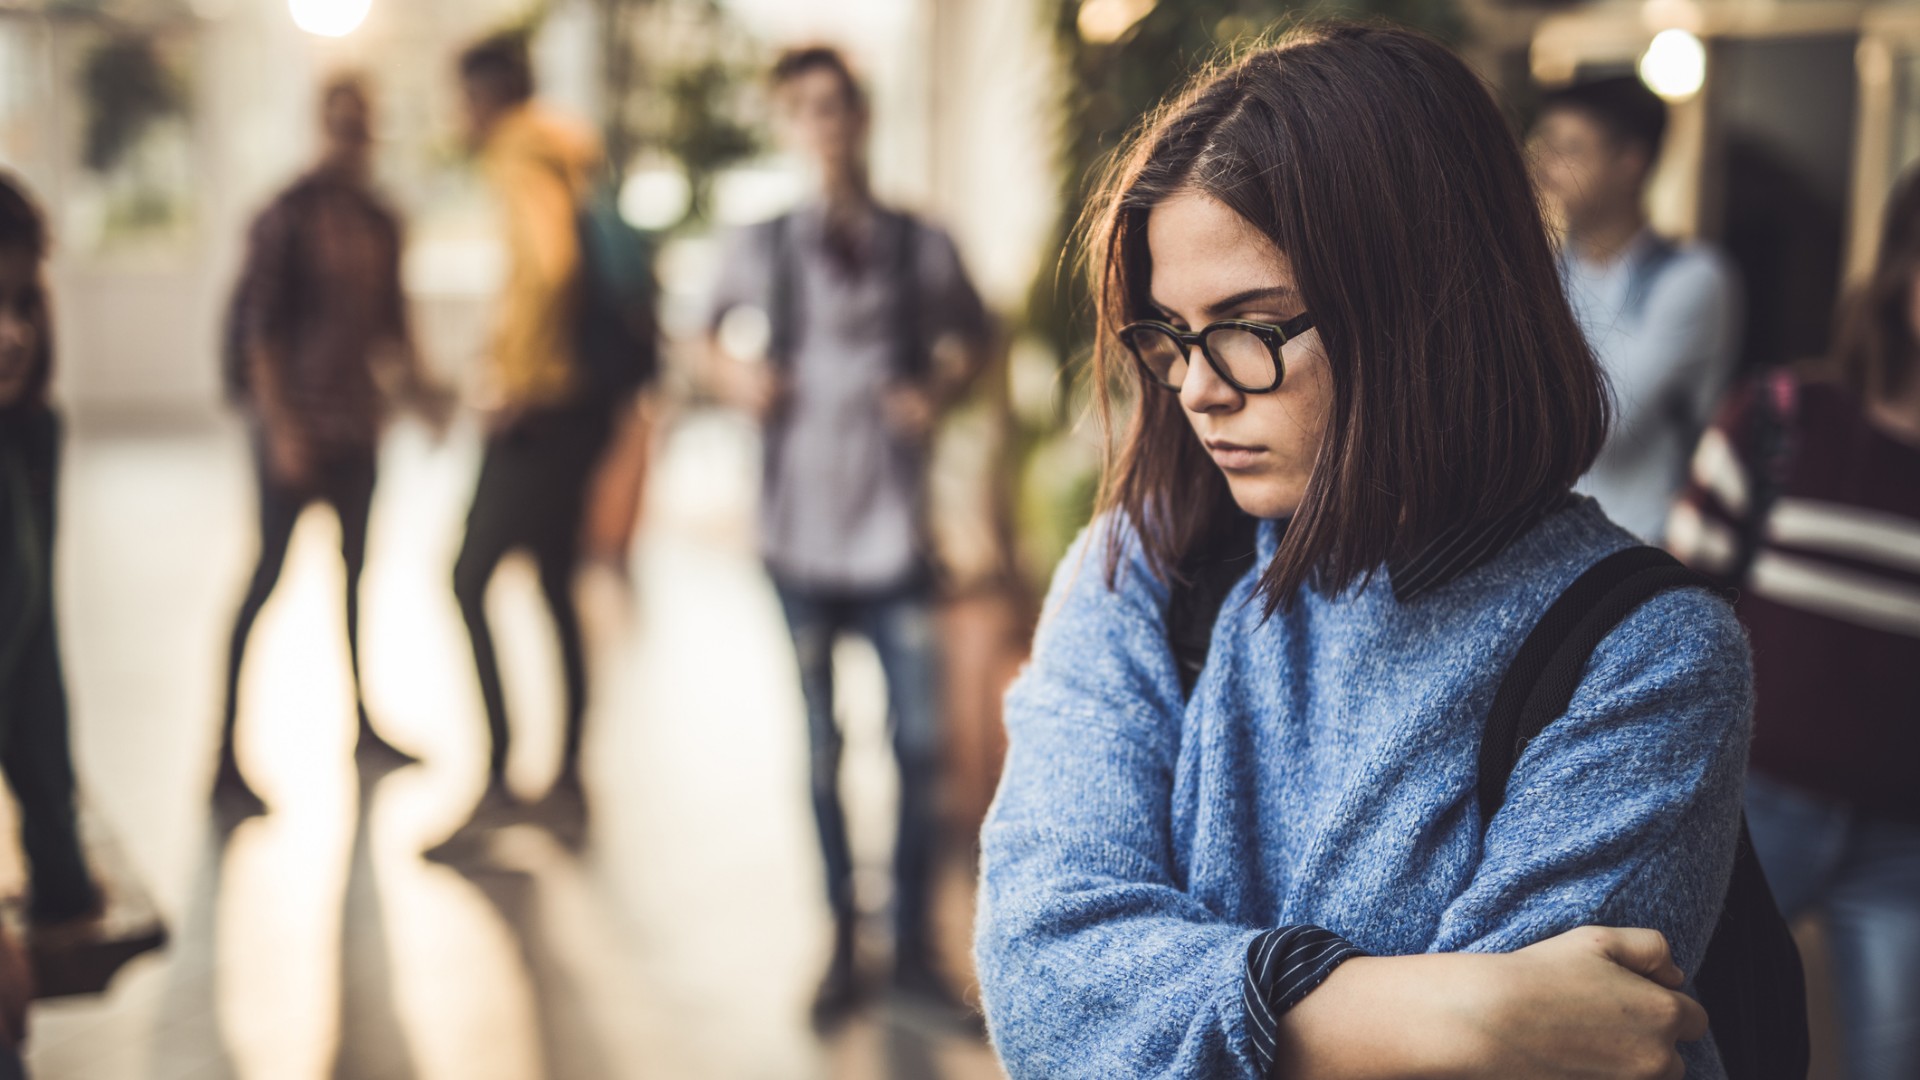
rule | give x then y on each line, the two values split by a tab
1691	1025
1643	952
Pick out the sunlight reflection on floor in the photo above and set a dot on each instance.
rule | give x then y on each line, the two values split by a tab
315	942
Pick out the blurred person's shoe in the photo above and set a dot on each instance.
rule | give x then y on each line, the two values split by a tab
563	810
498	808
80	936
234	800
840	993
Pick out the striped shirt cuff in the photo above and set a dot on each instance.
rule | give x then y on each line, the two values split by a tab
1283	966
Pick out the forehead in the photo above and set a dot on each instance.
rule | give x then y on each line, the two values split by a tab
813	87
1201	250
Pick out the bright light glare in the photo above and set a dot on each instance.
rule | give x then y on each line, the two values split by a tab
329	18
1103	21
1675	65
655	198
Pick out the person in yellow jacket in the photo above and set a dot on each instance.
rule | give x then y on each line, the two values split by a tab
545	435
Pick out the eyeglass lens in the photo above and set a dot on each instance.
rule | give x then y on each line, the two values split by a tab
1244	354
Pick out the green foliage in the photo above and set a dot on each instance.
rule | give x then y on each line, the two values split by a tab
677	75
703	127
127	88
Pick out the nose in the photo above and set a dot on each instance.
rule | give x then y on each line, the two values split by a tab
1203	390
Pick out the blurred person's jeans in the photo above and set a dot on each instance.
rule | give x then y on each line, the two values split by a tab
531	495
1862	875
343	479
900	624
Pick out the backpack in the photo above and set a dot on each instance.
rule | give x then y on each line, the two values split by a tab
1750	980
616	332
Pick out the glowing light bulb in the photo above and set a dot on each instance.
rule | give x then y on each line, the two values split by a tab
1103	21
1675	65
655	198
329	18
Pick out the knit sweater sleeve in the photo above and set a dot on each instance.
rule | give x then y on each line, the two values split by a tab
1093	961
1625	810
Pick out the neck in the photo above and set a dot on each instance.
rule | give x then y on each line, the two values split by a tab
1603	237
847	189
1899	415
349	163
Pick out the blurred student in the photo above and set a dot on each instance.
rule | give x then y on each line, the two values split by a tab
317	325
1662	317
545	433
862	301
1806	495
33	703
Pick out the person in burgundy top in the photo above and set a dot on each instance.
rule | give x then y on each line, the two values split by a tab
317	319
1805	494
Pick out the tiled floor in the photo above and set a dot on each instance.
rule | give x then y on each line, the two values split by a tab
682	942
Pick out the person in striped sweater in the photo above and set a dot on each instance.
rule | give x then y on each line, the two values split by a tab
1805	494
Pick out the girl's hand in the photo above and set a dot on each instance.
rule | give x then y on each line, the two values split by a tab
1592	1003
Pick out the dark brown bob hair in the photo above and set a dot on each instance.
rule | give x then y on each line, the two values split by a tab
23	228
1874	352
806	59
1462	386
502	65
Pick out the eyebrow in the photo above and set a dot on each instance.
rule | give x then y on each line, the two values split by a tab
1238	300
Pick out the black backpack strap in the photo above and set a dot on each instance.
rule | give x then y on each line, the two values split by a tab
1749	978
1541	680
1201	582
783	305
1646	269
911	361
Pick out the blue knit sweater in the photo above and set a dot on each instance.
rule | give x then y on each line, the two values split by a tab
1323	772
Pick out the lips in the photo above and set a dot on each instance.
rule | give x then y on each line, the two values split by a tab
1233	456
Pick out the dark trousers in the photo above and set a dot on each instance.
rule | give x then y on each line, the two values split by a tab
532	495
342	480
34	750
900	625
39	767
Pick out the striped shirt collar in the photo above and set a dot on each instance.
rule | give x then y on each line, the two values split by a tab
1464	547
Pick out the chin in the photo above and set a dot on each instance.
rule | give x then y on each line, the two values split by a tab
1264	499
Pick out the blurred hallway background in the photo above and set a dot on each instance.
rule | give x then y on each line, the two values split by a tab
684	941
685	938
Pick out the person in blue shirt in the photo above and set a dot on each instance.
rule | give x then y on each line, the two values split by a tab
1326	300
1662	317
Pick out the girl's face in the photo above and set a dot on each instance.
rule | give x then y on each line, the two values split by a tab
19	321
1210	264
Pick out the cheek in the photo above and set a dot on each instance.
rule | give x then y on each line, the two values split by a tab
17	334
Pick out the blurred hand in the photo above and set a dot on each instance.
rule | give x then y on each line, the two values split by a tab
289	458
435	402
503	418
753	388
910	411
16	989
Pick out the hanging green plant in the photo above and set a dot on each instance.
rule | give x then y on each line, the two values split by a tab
127	87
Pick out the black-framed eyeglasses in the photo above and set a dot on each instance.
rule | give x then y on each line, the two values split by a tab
1245	354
